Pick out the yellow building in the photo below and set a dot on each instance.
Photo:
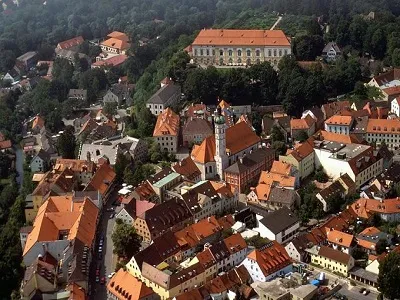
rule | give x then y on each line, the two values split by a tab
228	47
302	158
332	260
169	282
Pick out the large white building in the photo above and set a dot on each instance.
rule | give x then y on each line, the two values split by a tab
339	124
357	160
230	47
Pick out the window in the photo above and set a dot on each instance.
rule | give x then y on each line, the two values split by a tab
257	52
239	52
239	60
248	52
248	62
195	52
269	52
221	52
280	53
230	60
230	52
221	61
208	52
286	52
201	52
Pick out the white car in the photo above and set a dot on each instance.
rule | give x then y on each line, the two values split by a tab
111	275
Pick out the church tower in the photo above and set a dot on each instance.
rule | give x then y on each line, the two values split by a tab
221	158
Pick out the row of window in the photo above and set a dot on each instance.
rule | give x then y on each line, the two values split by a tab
271	53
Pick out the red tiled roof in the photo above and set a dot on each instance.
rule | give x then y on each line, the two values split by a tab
238	137
187	168
226	37
70	43
270	258
167	123
102	179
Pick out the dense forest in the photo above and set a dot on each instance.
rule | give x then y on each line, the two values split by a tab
167	27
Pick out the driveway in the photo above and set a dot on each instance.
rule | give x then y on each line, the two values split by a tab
352	293
106	262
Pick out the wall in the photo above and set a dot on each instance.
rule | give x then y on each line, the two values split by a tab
53	247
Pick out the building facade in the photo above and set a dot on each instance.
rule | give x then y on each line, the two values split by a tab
225	47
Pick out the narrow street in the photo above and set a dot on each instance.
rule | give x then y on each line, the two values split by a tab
105	260
19	165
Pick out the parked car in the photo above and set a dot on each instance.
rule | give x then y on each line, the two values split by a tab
97	279
112	215
102	280
111	275
100	249
366	292
362	290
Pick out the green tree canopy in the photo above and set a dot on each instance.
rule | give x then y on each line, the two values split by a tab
66	143
389	275
125	239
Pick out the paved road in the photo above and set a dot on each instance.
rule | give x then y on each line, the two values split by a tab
276	23
19	165
99	292
353	293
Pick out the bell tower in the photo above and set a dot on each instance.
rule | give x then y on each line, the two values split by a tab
221	158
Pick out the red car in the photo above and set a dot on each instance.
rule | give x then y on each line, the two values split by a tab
97	272
102	280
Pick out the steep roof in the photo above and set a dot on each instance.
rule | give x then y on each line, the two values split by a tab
305	123
167	123
271	258
38	121
70	43
337	137
197	126
116	43
387	126
302	151
238	137
165	93
334	108
331	45
339	238
187	168
60	213
273	178
118	35
333	254
233	37
123	286
279	220
281	168
392	91
249	161
75	165
102	179
339	120
366	207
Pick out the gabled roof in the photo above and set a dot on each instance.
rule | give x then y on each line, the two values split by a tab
337	137
167	123
233	37
334	108
250	161
282	168
238	137
165	93
70	43
387	126
197	126
116	43
334	255
38	121
102	179
279	220
340	120
271	258
364	208
118	35
392	91
123	285
305	123
302	151
62	214
187	168
339	238
331	45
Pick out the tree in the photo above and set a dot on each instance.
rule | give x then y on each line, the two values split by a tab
125	239
120	165
257	241
389	275
301	136
276	134
381	246
279	147
110	108
308	47
66	143
396	58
